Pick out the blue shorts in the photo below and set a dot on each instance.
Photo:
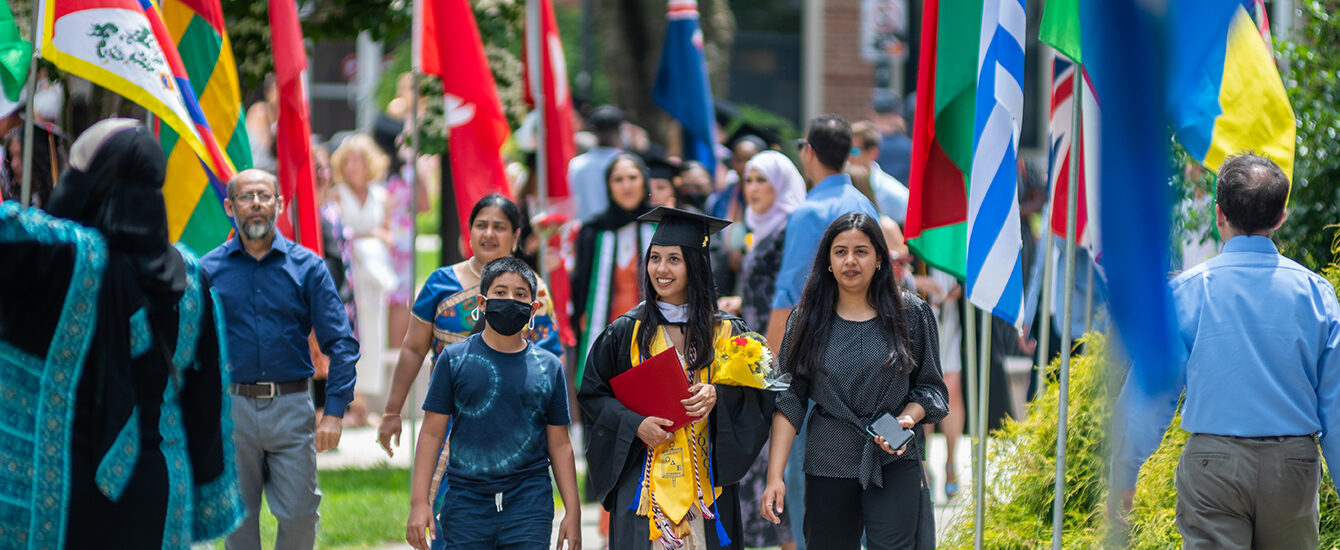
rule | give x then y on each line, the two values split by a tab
520	518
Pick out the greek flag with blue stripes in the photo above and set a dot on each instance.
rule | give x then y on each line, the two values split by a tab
994	268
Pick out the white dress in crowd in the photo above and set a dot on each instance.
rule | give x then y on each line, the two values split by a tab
374	276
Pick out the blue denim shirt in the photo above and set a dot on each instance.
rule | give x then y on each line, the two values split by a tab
830	199
271	305
1257	352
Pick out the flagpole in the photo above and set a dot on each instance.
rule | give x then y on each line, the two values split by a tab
536	64
25	195
413	214
1088	299
1045	323
1058	500
983	399
970	354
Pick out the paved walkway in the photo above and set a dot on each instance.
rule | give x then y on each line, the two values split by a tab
359	449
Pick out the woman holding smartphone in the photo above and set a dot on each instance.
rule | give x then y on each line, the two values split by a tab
868	352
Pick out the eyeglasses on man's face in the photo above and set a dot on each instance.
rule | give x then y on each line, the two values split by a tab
264	199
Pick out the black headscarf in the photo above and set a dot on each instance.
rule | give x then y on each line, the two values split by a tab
615	216
114	184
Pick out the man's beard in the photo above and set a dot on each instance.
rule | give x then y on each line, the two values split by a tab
257	231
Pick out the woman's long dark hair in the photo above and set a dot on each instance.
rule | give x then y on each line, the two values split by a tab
813	317
702	302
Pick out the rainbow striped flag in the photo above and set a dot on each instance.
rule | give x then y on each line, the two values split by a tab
194	202
124	46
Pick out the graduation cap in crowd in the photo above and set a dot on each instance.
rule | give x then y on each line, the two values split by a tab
768	137
682	228
660	168
726	112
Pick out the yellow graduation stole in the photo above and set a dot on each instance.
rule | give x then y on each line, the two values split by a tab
675	473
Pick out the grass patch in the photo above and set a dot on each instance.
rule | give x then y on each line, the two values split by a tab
360	508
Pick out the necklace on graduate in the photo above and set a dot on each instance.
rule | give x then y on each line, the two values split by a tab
470	263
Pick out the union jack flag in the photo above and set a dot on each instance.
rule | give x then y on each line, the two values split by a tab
1062	113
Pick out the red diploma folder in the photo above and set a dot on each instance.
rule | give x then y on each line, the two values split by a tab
655	387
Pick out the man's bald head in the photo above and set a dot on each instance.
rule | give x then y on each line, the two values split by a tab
252	175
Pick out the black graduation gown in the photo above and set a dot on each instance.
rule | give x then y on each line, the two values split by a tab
739	426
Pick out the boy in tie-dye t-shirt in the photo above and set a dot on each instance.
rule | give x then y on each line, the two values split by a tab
508	404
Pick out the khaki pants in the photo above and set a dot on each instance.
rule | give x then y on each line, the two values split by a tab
1248	493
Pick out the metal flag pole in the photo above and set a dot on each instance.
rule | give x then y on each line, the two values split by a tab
983	398
26	193
1088	297
413	225
535	59
1044	356
1058	500
970	354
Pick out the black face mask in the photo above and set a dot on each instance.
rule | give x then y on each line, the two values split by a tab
507	317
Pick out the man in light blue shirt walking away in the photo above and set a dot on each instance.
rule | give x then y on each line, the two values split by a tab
1257	344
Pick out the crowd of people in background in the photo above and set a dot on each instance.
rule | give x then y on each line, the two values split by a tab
806	230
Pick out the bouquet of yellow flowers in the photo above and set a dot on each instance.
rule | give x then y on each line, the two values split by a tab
742	360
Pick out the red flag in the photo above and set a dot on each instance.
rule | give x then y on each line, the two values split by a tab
452	50
293	137
556	114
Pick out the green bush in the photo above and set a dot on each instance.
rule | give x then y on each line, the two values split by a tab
1021	471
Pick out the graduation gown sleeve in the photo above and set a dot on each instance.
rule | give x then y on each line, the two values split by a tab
613	447
741	424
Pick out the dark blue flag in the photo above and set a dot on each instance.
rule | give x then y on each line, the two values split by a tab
682	88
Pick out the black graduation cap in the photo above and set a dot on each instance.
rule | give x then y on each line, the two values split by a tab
682	228
769	137
660	168
726	112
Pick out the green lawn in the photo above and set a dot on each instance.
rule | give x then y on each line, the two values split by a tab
360	508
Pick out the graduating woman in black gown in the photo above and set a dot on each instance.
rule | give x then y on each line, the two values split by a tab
672	489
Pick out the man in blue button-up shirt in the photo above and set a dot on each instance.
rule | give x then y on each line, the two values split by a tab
1258	338
274	293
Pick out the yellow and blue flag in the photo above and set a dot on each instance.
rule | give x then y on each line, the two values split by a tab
1226	95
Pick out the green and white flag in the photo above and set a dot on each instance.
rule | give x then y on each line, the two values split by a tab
15	55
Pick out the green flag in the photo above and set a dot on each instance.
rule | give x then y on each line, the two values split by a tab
1060	28
15	54
937	210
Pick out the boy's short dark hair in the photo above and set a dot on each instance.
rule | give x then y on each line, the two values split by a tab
1252	192
507	264
829	136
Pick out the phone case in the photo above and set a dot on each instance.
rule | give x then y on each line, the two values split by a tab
887	426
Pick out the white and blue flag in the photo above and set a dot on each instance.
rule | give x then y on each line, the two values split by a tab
994	267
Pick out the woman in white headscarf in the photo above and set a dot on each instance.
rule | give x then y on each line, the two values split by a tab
772	189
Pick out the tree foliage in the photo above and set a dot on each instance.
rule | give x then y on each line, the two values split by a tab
1313	83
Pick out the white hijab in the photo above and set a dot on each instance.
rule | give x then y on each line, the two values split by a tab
786	182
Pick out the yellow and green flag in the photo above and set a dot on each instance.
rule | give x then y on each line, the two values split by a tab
194	202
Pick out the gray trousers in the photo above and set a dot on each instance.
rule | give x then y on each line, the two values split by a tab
1248	493
275	441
